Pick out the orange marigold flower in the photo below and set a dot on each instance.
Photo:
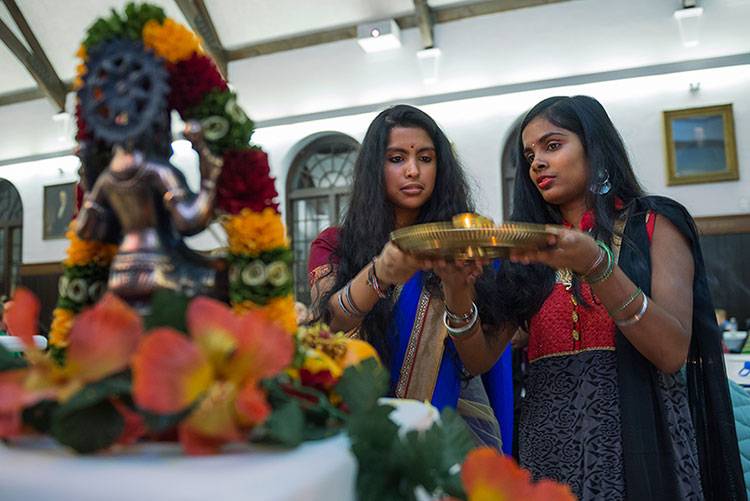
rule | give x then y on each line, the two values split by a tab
81	252
254	232
279	310
62	321
171	40
81	53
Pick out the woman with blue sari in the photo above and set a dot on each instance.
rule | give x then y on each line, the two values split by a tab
431	322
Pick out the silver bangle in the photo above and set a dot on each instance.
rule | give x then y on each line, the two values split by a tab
349	299
454	317
343	307
459	331
635	318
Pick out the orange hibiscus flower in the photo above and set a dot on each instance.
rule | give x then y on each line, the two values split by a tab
487	475
216	371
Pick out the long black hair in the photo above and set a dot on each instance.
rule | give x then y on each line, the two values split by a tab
523	289
370	217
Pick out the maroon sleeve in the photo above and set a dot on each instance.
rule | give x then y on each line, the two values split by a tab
322	250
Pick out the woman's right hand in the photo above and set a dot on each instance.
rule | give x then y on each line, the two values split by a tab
393	266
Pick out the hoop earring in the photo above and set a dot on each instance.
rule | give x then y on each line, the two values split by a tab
602	186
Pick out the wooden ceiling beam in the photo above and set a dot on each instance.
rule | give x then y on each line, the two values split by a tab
438	15
192	10
424	19
199	19
34	60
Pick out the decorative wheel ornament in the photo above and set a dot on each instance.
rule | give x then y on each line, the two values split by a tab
125	91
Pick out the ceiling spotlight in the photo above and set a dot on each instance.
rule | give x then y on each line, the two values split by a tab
429	64
689	20
378	36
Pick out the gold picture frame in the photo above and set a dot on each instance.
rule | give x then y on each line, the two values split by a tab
59	206
700	145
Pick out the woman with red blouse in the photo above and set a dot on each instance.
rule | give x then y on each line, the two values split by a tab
626	395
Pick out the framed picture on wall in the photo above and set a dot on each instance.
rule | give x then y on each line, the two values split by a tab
59	205
700	145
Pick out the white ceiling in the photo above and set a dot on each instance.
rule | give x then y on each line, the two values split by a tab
59	25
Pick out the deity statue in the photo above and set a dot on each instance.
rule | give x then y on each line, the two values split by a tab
140	200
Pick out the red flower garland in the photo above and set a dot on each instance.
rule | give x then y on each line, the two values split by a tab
245	182
190	80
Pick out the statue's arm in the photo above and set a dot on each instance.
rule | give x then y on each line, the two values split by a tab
192	214
95	220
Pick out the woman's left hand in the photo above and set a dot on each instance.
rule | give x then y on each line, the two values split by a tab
457	275
570	249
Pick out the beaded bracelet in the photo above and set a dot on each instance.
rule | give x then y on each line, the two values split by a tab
459	332
635	318
607	272
632	297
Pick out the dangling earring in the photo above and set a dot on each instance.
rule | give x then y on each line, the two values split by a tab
601	186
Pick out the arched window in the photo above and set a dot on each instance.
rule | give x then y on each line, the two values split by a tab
508	167
11	222
318	188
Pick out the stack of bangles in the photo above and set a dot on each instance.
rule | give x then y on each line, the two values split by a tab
346	301
598	273
469	320
636	317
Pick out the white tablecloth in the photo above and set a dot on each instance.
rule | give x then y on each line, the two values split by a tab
38	469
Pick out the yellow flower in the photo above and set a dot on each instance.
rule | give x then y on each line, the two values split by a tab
62	321
81	252
81	53
252	232
279	310
170	40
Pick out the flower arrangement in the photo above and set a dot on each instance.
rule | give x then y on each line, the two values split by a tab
259	257
215	377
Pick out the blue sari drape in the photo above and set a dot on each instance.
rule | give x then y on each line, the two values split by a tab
498	381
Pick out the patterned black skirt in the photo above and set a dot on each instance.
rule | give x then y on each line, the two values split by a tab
569	429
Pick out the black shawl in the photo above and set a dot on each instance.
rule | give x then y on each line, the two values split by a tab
648	461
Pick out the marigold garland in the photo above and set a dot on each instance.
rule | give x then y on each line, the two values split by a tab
279	310
254	232
62	321
83	252
170	40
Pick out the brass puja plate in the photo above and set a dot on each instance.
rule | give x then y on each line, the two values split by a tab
470	236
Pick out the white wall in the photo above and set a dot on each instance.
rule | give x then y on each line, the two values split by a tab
527	45
479	127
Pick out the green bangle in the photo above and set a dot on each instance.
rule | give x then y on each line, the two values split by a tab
632	297
607	272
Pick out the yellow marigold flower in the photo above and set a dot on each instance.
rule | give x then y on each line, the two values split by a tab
81	53
62	321
80	72
81	252
252	232
279	310
170	40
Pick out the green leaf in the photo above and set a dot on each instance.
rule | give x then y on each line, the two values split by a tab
167	310
361	385
159	423
94	393
10	360
87	429
39	415
284	426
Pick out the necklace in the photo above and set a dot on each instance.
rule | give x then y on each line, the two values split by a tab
565	277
